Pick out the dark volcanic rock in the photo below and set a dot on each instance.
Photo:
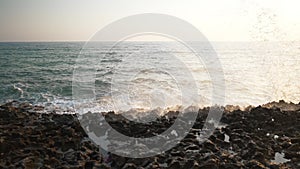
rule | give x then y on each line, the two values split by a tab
34	140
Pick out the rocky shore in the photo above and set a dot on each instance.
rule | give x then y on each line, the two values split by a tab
267	136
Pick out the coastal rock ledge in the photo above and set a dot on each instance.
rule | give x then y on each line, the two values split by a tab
258	137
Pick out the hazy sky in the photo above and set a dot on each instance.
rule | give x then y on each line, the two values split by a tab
219	20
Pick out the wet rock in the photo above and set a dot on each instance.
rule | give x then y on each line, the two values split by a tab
255	164
50	140
129	166
89	165
294	147
259	157
192	147
291	155
175	165
70	155
119	161
102	166
191	164
209	165
177	153
295	140
211	146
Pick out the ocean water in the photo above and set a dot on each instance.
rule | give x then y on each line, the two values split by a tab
148	74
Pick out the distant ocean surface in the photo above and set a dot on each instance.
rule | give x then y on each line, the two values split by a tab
255	73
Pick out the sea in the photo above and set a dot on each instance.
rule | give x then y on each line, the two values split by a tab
146	75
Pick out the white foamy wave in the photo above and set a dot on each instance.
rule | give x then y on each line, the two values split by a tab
19	87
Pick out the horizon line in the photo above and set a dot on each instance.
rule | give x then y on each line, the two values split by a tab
42	41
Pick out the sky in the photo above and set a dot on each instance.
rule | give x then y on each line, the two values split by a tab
218	20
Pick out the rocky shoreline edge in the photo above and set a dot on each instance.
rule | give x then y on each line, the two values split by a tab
266	136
